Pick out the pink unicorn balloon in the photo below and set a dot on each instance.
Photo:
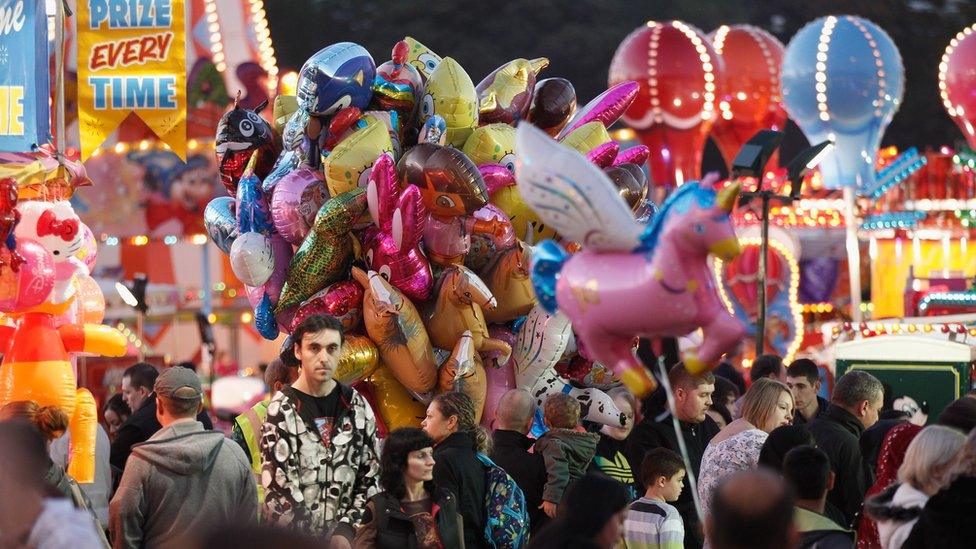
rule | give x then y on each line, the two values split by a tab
399	218
630	279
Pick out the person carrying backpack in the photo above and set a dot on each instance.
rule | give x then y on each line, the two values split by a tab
491	505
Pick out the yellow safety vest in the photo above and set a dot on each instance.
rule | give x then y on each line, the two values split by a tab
250	423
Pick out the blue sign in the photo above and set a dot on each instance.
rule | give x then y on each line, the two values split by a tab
25	87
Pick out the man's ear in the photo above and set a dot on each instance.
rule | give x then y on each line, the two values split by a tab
296	350
831	478
679	393
862	408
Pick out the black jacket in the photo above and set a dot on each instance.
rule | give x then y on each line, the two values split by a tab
659	432
141	425
510	451
822	405
395	530
458	469
837	433
947	519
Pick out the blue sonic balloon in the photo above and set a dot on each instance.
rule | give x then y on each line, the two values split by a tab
338	76
843	80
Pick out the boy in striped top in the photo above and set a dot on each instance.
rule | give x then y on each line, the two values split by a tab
651	522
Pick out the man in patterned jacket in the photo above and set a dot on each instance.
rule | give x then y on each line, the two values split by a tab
318	445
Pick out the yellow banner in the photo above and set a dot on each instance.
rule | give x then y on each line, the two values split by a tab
131	58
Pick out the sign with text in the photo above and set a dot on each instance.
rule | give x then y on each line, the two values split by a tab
25	117
131	58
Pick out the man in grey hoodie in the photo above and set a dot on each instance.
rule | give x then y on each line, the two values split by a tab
183	481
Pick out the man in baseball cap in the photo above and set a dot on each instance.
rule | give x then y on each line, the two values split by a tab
165	496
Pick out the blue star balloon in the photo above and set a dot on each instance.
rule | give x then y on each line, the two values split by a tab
843	80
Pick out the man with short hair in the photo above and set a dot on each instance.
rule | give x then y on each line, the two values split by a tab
247	426
807	469
854	407
184	481
510	451
692	398
318	444
770	366
137	392
803	378
752	509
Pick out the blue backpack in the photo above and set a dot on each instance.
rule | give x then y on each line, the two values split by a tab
507	524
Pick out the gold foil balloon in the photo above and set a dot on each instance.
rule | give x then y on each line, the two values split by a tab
464	371
505	94
461	299
420	56
359	359
284	107
450	93
349	163
396	406
492	144
587	137
327	251
509	281
395	325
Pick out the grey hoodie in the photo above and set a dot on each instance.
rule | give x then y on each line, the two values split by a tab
182	482
567	454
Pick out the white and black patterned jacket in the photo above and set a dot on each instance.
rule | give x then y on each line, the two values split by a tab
311	487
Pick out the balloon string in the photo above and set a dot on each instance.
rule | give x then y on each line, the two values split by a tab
689	472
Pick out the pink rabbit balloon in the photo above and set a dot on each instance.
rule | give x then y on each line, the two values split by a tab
390	247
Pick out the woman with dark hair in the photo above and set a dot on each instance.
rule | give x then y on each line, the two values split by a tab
591	515
409	512
610	459
450	422
115	412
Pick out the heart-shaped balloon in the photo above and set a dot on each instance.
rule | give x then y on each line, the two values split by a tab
220	219
32	283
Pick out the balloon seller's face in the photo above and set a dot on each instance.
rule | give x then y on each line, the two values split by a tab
420	465
134	396
436	425
693	403
319	355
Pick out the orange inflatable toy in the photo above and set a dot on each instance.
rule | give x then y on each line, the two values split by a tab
37	366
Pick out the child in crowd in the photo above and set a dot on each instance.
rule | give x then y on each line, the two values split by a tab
566	448
651	523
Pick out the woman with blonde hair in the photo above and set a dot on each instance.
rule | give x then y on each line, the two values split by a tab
767	404
925	470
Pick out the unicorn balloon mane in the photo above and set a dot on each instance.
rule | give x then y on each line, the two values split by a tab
630	279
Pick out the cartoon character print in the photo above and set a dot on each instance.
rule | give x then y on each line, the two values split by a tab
56	227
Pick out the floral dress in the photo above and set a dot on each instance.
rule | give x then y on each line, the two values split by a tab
736	453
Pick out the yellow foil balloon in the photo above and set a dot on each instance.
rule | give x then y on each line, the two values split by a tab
350	162
284	107
526	223
450	93
587	137
465	372
420	56
505	94
396	406
492	144
359	359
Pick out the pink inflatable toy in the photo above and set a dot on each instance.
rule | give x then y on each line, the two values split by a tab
400	217
606	107
630	279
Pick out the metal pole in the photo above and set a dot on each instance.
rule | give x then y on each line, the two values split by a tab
140	319
853	255
763	249
61	138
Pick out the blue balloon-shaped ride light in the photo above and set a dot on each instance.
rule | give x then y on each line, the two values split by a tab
338	76
843	80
